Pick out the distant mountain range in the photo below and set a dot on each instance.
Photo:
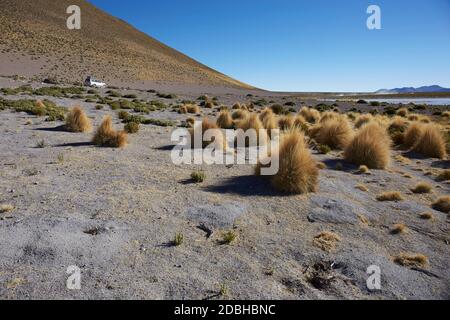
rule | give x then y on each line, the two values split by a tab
426	89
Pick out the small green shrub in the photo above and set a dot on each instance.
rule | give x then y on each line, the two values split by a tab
131	127
198	176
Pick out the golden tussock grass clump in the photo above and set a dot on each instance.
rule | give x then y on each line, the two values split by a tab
335	133
190	121
298	172
390	196
218	140
414	117
314	130
106	136
425	119
301	123
363	119
78	121
326	240
265	113
270	122
370	147
329	115
426	216
402	112
252	122
286	122
310	115
239	114
398	124
442	204
362	188
413	135
182	110
422	187
5	208
193	108
398	228
431	142
225	121
445	114
444	176
411	260
236	106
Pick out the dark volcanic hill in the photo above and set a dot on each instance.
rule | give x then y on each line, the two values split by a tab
35	42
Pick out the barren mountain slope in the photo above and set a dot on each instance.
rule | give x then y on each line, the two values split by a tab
35	42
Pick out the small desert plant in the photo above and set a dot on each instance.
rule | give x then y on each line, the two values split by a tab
444	176
41	144
228	237
326	240
442	204
398	228
266	112
363	170
106	136
98	107
190	122
362	188
224	291
298	172
431	142
323	149
335	133
412	260
321	165
61	158
225	121
422	187
178	240
426	216
370	147
131	127
236	106
78	121
286	122
198	176
182	110
195	109
5	208
390	196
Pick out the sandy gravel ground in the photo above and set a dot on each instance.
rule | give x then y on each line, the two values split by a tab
113	213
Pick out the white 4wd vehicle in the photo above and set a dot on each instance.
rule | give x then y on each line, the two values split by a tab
91	82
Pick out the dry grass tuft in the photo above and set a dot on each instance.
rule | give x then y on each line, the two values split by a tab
363	170
390	196
194	109
270	122
431	142
4	208
422	187
402	112
78	121
225	121
411	260
335	133
310	115
370	147
182	110
265	113
286	122
426	216
326	240
444	176
218	141
236	106
298	172
252	122
363	119
413	135
442	204
106	136
398	228
321	165
239	114
362	188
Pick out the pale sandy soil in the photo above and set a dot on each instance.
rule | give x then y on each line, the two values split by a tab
138	200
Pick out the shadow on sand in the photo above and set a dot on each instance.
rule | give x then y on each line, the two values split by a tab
245	186
61	128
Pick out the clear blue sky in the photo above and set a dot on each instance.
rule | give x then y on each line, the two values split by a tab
303	45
